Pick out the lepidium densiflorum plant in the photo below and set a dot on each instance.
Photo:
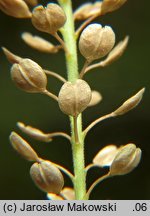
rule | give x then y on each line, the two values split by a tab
95	42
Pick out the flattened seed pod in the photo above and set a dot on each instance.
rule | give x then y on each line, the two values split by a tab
49	19
22	147
126	160
29	76
74	98
96	41
47	177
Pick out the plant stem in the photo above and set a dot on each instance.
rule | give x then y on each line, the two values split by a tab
68	33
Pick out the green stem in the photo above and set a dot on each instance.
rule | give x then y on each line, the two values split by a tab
68	33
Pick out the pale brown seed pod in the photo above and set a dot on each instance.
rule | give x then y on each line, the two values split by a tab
116	52
49	19
15	8
96	98
29	76
81	12
105	156
68	193
111	5
34	132
87	10
52	196
74	98
32	2
22	147
47	177
127	158
39	43
130	104
12	58
96	41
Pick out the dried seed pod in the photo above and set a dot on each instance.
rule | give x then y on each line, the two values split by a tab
34	133
32	2
39	43
116	52
68	193
87	10
47	177
105	156
74	98
52	196
11	57
126	160
29	76
111	5
15	8
96	41
81	12
96	98
49	19
130	104
22	147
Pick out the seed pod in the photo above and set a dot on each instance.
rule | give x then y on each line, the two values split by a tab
15	8
96	41
39	43
74	98
68	193
52	196
34	133
105	156
116	52
47	177
11	57
29	76
126	160
111	5
32	2
130	104
22	147
49	19
87	10
96	98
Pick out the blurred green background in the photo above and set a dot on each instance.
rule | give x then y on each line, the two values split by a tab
116	83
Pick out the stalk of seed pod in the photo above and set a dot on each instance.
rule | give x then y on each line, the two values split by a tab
15	8
22	147
49	19
130	104
47	177
96	41
29	76
126	160
74	98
